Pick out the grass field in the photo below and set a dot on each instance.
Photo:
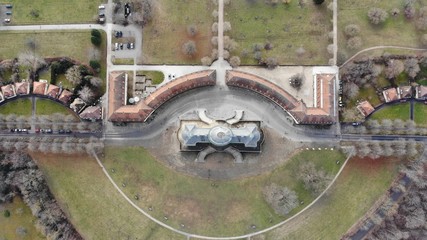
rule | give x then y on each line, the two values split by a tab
21	106
287	27
123	61
95	208
20	216
396	31
394	111
54	11
47	107
420	114
206	207
73	44
165	35
156	77
360	184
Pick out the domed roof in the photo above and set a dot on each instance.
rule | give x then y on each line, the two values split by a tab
220	136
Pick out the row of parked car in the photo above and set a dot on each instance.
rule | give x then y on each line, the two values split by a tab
8	13
38	130
120	46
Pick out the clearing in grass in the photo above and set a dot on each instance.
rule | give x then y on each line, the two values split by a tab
214	208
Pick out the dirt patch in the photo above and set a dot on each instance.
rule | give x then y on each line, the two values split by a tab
185	209
371	166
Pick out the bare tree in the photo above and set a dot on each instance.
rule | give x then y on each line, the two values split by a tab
229	44
189	48
281	199
33	61
315	180
351	90
206	61
412	67
74	75
394	68
377	15
271	62
86	94
214	27
352	30
214	40
300	51
354	43
227	26
96	81
234	61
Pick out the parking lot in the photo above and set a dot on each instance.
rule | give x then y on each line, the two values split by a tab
127	43
6	13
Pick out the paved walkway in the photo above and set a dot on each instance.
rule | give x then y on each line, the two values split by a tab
380	47
335	29
220	29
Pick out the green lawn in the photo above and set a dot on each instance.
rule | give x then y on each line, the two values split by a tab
370	95
47	107
94	206
54	11
361	183
396	31
20	216
164	36
422	82
156	77
227	209
287	27
420	114
21	106
123	61
394	111
73	44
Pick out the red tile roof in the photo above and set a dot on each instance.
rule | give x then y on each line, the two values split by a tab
22	88
53	91
321	114
65	96
119	112
39	88
8	91
92	113
390	95
365	108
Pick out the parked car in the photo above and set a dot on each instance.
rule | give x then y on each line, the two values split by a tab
121	46
9	6
7	20
116	46
128	45
48	130
61	131
101	7
8	13
37	130
68	131
132	46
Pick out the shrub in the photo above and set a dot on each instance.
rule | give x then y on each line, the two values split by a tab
409	12
352	30
6	213
377	15
318	2
95	33
192	30
354	43
215	27
296	81
96	41
95	65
